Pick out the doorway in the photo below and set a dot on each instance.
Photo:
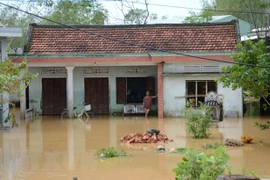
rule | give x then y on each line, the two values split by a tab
53	96
97	94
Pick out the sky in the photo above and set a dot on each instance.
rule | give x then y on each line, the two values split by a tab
116	15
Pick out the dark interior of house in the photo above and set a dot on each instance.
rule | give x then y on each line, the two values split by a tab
136	88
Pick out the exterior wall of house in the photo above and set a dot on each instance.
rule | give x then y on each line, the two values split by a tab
35	88
175	86
114	72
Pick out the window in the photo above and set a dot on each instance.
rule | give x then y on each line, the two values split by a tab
196	90
132	89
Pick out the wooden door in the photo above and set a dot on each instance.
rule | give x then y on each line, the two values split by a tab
121	90
150	86
53	96
97	94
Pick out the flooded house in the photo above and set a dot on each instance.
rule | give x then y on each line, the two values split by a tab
111	67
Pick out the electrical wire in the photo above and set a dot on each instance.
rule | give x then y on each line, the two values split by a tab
131	43
190	8
161	5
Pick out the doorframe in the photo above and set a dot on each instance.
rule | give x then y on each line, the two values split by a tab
109	85
45	76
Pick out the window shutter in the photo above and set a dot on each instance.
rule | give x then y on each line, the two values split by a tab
121	86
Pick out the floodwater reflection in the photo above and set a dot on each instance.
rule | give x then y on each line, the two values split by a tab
51	148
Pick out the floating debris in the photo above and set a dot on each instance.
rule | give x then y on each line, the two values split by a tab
102	156
145	138
171	149
246	139
160	148
153	131
233	142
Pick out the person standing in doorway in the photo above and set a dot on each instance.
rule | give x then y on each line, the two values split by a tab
147	103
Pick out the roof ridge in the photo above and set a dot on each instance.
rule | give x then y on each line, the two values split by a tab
233	22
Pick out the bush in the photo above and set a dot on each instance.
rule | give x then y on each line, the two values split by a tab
212	146
198	120
179	150
199	166
109	153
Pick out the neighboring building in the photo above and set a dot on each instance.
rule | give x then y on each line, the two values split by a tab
244	26
110	66
5	33
254	33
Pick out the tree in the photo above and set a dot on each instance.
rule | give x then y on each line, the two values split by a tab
12	18
164	17
83	12
153	16
204	16
68	12
198	17
13	82
135	16
250	70
256	12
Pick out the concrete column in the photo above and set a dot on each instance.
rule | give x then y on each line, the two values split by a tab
22	100
160	90
5	96
70	91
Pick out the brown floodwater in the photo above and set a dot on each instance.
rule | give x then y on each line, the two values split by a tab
51	148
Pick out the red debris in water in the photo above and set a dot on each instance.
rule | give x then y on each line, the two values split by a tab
145	138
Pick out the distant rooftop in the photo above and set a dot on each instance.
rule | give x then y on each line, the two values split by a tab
10	32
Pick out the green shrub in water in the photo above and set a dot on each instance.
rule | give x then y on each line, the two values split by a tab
199	166
262	126
109	153
198	120
212	146
179	150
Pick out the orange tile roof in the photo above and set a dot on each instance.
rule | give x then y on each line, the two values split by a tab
208	37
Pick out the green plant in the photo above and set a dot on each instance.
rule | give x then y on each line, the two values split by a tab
212	146
14	79
252	173
198	120
199	166
262	126
110	152
179	150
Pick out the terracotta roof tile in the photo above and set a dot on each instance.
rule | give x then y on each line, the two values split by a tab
218	37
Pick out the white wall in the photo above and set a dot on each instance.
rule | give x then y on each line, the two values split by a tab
233	101
35	88
175	85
